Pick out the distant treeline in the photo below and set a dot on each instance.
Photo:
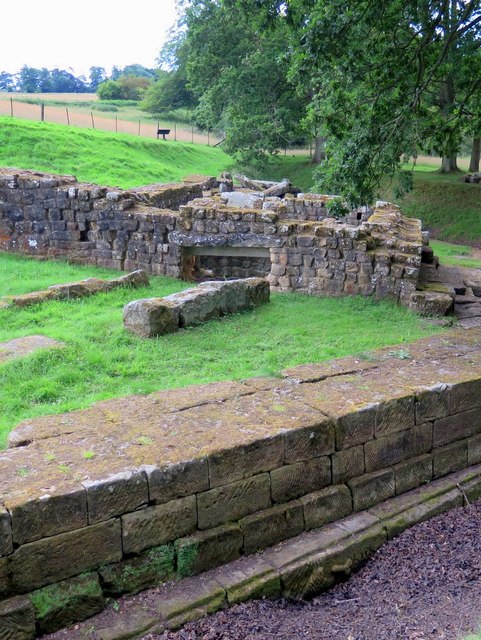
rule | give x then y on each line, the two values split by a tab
32	80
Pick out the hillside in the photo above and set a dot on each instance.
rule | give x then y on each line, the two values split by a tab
114	160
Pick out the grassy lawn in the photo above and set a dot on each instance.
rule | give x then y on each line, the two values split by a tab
455	254
101	360
118	160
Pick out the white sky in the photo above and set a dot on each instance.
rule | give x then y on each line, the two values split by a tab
63	34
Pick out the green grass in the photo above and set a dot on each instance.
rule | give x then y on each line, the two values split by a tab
95	156
101	360
455	254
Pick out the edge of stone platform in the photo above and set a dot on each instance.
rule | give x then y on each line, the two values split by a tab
297	568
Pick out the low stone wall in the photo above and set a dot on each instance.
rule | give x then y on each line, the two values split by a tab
80	289
210	300
292	242
172	484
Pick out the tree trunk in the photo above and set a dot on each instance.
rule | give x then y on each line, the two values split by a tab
318	152
475	155
449	164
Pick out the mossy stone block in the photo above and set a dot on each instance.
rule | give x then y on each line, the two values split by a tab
60	605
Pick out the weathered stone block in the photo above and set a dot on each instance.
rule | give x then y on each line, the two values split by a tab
49	515
388	450
230	465
233	501
372	488
178	481
294	480
60	605
347	464
17	619
413	473
208	549
465	396
136	574
263	529
151	317
248	578
356	427
116	495
450	458
53	559
456	427
304	444
6	544
395	415
157	525
328	505
474	449
432	404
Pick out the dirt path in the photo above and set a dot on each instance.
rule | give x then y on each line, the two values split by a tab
424	585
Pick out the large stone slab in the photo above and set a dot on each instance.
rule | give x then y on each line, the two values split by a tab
21	347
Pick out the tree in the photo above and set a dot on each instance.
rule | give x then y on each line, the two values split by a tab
97	76
7	81
28	79
238	71
125	88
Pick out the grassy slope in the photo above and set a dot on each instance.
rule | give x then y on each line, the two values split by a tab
95	156
101	360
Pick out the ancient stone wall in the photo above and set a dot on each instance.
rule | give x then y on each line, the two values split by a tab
290	241
172	484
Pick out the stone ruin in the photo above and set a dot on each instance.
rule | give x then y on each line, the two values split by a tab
202	227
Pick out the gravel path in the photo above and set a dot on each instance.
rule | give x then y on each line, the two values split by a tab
425	584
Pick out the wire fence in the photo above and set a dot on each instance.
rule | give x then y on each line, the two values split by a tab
90	120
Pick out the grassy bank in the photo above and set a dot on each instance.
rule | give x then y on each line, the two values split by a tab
95	156
101	360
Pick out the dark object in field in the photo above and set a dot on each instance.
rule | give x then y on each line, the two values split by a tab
163	133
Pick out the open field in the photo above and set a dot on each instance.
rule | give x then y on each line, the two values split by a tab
101	360
126	119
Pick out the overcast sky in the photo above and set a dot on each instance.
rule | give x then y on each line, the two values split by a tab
58	33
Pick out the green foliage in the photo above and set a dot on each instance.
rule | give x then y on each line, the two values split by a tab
56	596
101	360
127	87
103	158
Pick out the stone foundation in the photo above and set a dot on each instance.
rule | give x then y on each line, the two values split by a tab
170	230
179	481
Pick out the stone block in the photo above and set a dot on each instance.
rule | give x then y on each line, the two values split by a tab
6	544
450	458
456	427
150	569
17	619
432	403
233	501
395	415
159	524
430	303
49	515
347	464
59	557
208	549
294	480
413	473
465	395
372	488
248	578
178	481
190	599
151	317
6	589
266	528
328	505
238	463
474	449
304	444
389	450
356	427
116	495
60	605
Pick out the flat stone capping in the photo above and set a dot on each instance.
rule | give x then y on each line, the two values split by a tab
20	347
79	289
209	300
